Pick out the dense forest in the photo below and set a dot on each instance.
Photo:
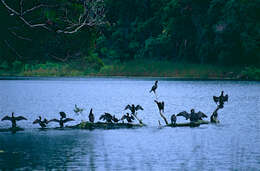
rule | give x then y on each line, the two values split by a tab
90	33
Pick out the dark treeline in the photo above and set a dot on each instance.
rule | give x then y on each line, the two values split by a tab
225	32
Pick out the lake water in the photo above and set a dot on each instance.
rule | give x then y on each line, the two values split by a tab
234	144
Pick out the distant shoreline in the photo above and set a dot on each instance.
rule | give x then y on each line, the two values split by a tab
137	69
118	77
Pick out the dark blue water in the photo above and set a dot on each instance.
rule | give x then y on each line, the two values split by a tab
231	145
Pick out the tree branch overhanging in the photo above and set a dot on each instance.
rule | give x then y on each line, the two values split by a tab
93	15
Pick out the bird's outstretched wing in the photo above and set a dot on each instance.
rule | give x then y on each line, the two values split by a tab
225	99
45	121
102	117
201	115
63	114
6	118
128	107
36	121
184	114
18	118
216	99
68	120
139	107
54	120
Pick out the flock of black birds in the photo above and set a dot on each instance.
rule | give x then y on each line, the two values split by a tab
108	118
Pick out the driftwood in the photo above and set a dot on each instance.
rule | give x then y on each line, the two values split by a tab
164	118
102	125
189	124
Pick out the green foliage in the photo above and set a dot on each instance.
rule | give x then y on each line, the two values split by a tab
94	62
219	32
203	31
17	66
251	73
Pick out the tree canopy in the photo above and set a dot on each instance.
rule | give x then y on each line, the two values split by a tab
200	31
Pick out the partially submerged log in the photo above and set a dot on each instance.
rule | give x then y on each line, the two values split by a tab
189	124
102	125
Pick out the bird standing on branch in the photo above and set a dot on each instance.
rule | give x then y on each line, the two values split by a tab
221	99
106	117
134	110
40	122
154	87
62	120
91	116
160	105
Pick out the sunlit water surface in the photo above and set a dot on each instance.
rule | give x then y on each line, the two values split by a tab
234	144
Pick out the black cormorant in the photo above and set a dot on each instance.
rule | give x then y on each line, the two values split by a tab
13	119
62	120
221	99
40	122
134	108
173	119
193	117
91	116
160	105
106	117
154	87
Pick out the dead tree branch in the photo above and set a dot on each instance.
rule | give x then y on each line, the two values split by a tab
93	15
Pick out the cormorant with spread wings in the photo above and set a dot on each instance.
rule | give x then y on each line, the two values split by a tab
193	117
221	99
160	105
40	122
106	117
134	108
13	119
62	119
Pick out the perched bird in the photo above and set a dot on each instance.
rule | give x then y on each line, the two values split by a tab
40	122
77	109
128	117
221	99
13	119
154	87
106	117
114	119
173	119
160	105
62	120
134	108
91	116
62	114
193	117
